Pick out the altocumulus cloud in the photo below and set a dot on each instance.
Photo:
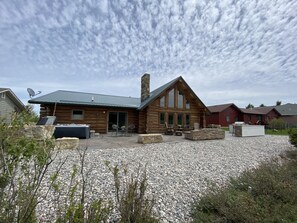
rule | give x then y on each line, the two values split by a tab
228	50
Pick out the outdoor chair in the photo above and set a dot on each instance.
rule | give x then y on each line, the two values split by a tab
169	129
123	130
114	129
131	129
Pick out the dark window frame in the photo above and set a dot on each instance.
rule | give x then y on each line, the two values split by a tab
76	116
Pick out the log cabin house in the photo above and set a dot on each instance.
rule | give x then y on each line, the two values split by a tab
174	103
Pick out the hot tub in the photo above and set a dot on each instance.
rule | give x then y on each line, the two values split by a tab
73	130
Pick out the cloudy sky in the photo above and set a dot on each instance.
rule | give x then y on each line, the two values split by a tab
240	51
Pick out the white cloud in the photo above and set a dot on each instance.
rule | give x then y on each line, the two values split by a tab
214	44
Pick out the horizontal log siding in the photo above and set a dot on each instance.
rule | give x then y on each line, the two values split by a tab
96	117
153	125
196	112
142	121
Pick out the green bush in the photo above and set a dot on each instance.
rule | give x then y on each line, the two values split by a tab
293	136
266	194
277	123
23	164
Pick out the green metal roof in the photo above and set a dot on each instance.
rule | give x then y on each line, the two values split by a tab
90	99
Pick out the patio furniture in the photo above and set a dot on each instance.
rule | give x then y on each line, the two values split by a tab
123	130
179	131
115	129
169	129
131	129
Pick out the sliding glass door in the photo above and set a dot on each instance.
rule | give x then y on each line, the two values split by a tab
117	118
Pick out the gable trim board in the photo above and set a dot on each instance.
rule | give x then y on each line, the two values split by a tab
100	110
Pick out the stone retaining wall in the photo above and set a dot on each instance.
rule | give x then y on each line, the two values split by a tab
204	134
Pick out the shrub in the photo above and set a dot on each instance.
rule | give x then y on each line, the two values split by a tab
293	136
132	202
23	164
75	208
266	194
277	123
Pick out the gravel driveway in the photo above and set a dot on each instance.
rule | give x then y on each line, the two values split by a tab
177	171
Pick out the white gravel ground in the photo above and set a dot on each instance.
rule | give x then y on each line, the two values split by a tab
177	172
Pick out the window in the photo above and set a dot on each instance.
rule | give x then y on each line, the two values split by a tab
227	118
171	99
188	105
162	118
170	119
180	100
188	120
77	114
3	95
180	119
162	102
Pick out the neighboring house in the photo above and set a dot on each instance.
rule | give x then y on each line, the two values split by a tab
224	114
174	103
288	113
259	115
9	104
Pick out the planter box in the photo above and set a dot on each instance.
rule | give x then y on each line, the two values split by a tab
249	130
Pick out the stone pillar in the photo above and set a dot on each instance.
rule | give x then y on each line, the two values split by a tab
145	87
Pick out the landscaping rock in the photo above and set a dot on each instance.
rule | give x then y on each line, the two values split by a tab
150	138
67	143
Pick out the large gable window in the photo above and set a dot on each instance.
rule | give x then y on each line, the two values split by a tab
171	99
162	118
162	102
188	105
180	119
170	119
77	114
180	100
188	120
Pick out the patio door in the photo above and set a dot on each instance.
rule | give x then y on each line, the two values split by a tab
117	118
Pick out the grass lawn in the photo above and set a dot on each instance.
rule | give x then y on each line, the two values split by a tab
277	132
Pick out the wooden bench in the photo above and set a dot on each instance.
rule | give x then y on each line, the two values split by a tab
150	138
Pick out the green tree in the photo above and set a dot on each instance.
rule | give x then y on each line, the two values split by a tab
249	106
278	103
262	105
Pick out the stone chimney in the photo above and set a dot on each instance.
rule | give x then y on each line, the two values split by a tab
145	87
